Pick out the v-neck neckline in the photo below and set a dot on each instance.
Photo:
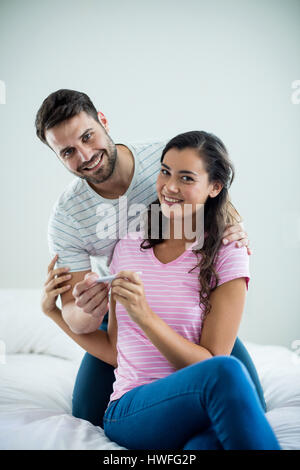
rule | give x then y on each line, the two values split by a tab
174	261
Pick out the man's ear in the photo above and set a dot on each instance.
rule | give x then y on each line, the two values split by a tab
103	121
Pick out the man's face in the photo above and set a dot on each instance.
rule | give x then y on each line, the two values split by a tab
84	147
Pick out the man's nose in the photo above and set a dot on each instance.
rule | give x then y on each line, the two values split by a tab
85	154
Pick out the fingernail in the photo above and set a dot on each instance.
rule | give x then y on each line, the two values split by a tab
225	241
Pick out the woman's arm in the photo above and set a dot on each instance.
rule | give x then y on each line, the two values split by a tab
179	351
221	325
96	343
99	343
112	329
219	329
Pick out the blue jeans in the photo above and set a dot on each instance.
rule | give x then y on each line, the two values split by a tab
94	383
212	404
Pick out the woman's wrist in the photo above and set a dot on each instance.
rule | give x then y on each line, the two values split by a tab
146	321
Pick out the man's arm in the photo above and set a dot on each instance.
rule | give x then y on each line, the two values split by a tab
98	343
85	303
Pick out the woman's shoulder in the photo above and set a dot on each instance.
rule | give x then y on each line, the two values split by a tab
131	239
126	250
232	254
232	262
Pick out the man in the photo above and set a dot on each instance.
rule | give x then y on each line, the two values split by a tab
69	124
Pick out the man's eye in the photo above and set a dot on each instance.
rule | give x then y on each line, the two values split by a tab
68	152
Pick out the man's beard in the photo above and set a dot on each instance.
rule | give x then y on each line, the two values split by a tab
106	169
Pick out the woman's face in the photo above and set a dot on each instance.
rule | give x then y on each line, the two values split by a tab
182	183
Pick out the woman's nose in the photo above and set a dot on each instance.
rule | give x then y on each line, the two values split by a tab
172	187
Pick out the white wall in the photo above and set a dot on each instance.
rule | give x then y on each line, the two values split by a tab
156	69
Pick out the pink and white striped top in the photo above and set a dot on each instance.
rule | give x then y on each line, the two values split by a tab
173	294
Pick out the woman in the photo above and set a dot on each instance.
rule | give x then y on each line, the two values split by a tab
171	330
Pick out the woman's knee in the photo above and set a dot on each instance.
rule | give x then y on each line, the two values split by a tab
232	378
229	367
225	371
218	369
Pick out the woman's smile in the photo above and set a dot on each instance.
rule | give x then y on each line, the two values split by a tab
171	200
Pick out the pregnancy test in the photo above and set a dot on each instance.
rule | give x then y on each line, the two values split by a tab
112	277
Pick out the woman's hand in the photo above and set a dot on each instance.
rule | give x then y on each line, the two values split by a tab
52	287
128	290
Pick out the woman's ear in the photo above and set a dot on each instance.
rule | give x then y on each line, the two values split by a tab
216	189
103	121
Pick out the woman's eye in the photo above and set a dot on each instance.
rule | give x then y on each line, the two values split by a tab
188	178
86	137
164	172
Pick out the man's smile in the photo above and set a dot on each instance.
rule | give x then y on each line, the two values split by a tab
95	163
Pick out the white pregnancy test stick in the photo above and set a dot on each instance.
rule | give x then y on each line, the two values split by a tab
112	277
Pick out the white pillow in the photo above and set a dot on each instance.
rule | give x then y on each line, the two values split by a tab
24	328
279	374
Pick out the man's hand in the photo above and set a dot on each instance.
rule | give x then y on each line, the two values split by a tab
53	288
237	233
91	297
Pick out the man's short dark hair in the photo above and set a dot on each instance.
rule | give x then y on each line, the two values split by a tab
59	106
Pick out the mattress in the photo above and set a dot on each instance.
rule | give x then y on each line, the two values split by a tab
39	363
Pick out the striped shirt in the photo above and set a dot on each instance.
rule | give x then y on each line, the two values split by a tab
85	226
173	294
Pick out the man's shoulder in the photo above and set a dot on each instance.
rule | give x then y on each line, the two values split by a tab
74	190
147	149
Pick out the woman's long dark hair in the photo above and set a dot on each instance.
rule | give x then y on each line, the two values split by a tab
218	211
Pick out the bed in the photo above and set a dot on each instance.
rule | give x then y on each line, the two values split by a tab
38	366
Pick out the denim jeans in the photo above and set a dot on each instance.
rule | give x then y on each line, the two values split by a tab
212	405
94	383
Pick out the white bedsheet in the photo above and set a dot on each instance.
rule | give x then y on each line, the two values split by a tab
35	406
36	388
